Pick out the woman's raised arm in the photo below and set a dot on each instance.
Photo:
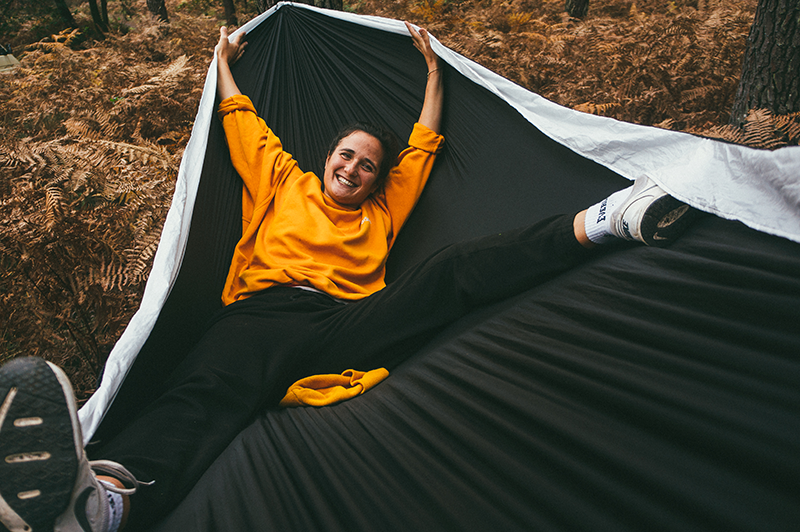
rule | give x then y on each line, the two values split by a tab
227	52
431	115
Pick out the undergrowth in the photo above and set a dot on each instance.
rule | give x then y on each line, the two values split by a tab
91	143
93	132
673	64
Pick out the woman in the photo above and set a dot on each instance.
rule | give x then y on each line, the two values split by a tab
334	238
305	294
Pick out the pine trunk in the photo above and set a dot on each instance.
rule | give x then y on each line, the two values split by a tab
65	13
771	66
577	8
159	9
230	13
97	18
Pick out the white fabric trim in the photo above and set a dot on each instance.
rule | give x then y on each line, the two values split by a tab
759	188
166	265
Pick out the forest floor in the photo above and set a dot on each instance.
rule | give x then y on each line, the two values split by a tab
93	130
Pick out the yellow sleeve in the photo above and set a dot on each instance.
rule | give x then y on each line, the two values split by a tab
408	178
256	152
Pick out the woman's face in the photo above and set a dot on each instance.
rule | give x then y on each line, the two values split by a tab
351	170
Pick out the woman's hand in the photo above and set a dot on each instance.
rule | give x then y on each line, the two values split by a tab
227	52
422	42
431	115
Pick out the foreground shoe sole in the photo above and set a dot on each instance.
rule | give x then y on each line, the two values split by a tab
38	456
665	220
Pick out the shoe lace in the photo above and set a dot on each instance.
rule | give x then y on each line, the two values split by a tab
117	471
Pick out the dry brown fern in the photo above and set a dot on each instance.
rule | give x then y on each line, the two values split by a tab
595	109
789	125
87	168
59	41
761	130
656	60
170	75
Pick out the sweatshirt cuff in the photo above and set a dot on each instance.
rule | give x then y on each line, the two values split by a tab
423	138
237	102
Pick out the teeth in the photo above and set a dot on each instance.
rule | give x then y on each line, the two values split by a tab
345	182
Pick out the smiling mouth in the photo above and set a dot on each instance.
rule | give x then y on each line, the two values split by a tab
346	182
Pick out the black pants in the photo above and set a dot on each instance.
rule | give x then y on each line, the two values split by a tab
255	348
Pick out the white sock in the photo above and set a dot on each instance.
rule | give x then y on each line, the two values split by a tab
115	507
598	217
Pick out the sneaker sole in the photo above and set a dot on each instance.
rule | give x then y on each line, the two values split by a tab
665	220
38	458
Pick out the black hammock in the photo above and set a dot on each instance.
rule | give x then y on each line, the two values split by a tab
645	390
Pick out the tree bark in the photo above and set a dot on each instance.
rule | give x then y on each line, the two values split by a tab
159	9
771	65
97	18
65	13
230	13
577	8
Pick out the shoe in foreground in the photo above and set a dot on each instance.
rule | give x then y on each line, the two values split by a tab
46	481
652	216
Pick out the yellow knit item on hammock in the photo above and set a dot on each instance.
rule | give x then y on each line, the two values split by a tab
323	390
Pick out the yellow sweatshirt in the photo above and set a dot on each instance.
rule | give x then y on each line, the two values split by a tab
292	234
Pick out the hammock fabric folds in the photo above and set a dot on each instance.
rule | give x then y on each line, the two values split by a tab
649	389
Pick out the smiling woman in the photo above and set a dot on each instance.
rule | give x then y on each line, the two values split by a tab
370	166
305	294
351	171
300	232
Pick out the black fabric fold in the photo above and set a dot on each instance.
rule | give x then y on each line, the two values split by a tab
647	390
650	389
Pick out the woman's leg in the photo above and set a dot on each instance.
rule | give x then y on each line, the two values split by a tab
376	331
248	352
257	347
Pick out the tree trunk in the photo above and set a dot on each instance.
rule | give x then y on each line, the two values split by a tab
230	13
577	8
771	66
159	9
65	14
330	4
104	11
97	18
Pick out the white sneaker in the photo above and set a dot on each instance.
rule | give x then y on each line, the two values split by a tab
46	481
650	215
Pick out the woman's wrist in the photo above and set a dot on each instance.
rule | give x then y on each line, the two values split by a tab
434	66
